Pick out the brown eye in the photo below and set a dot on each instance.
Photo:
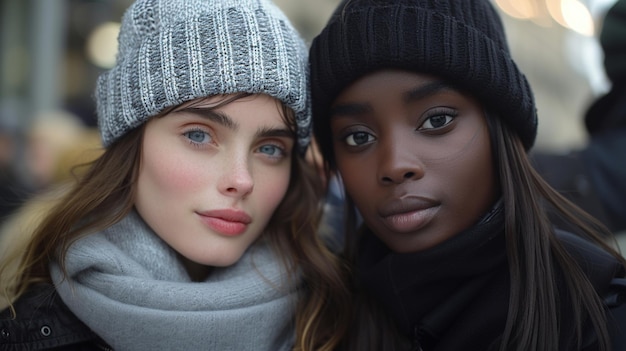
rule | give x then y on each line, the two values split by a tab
359	138
435	122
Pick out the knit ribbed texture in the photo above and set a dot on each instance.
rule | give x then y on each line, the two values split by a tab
172	51
132	289
461	41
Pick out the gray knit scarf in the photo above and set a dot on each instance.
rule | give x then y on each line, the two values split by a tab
130	287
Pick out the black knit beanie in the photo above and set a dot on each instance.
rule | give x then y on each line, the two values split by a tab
460	41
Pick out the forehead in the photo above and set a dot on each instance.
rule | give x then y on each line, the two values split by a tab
381	80
395	89
234	102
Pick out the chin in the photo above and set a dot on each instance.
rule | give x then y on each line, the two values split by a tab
224	260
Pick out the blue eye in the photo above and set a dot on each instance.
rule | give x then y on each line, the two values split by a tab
272	150
359	138
198	136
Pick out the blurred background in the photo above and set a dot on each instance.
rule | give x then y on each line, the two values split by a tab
52	51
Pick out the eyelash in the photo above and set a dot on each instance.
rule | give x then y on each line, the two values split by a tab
449	114
439	112
187	133
281	149
351	132
370	138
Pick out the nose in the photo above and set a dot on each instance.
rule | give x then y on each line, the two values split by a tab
398	161
236	179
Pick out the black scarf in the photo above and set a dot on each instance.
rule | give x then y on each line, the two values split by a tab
451	297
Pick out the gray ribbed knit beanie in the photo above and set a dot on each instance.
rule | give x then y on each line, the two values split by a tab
172	51
461	41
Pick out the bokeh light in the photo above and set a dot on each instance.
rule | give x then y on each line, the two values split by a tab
102	44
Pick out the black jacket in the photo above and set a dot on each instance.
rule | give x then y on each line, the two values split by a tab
455	296
43	322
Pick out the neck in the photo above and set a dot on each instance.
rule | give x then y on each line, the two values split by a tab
197	272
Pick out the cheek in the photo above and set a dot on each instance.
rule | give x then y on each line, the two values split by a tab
165	173
358	179
273	187
480	168
472	178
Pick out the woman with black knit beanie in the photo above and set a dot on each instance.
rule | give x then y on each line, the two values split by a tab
419	107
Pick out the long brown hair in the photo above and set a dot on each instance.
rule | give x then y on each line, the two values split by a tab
106	193
534	253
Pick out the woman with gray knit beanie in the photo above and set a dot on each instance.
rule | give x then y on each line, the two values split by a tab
420	109
197	227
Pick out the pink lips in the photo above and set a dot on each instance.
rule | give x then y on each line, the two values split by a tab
408	214
226	222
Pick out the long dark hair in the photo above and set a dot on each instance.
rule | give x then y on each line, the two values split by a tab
106	193
535	255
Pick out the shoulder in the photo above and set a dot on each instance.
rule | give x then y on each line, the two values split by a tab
606	274
604	271
42	321
595	261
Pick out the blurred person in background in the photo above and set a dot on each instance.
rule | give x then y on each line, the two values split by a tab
52	135
58	147
61	171
331	223
13	189
595	177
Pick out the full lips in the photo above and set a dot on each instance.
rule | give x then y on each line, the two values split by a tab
226	227
410	221
226	222
408	213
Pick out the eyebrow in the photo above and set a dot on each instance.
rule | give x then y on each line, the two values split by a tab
417	93
225	120
352	109
212	115
275	133
427	90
